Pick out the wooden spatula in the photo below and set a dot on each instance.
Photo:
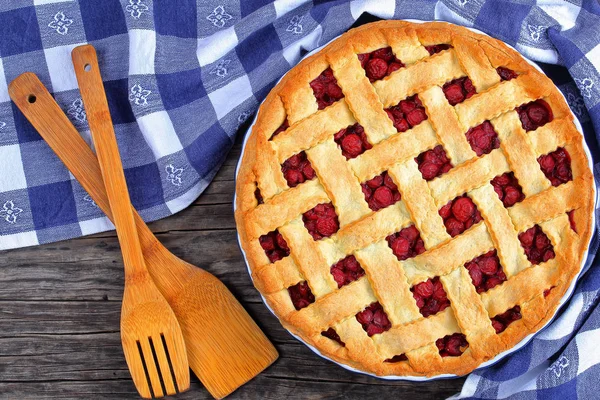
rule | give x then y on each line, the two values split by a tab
151	337
225	346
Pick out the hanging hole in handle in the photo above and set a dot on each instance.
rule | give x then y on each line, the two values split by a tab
87	67
31	98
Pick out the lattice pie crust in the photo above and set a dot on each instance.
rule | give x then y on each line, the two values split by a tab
395	258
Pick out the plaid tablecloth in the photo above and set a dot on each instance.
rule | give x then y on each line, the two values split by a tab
183	76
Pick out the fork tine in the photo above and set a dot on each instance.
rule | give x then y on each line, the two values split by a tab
136	366
163	364
152	371
174	345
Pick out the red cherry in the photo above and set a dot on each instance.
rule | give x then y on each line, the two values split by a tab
376	68
384	196
454	94
416	116
375	182
401	125
407	106
384	54
411	233
446	211
394	67
424	289
374	330
463	209
488	265
429	170
352	145
512	196
454	227
365	316
537	114
363	58
334	91
506	74
476	275
267	242
401	247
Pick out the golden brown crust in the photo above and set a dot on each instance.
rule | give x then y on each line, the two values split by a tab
363	232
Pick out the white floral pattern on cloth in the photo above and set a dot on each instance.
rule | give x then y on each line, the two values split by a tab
2	124
295	25
535	32
219	17
585	86
221	68
576	104
139	95
462	3
243	116
60	23
136	8
77	111
559	366
10	212
174	174
89	199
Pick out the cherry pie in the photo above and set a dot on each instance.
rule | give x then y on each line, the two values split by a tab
414	199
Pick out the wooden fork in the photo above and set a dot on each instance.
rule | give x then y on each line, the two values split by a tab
225	347
151	337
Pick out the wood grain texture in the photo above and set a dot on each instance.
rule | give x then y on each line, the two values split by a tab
225	347
60	308
150	333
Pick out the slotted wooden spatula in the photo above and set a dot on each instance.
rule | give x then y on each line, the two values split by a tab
225	347
151	337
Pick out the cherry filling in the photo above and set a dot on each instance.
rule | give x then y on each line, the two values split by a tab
452	345
436	48
483	138
501	321
535	114
485	271
321	221
397	358
373	319
353	141
459	90
379	63
571	215
326	89
430	296
332	334
380	192
282	128
301	295
297	169
274	245
538	247
547	291
406	244
433	163
459	215
258	196
557	166
346	271
508	189
506	74
407	114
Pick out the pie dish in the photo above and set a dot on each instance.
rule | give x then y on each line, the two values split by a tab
414	199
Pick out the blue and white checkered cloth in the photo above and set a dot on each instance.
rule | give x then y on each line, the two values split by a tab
182	76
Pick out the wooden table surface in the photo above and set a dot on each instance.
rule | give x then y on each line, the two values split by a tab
60	308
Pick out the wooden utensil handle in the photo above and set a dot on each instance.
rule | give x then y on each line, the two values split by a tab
85	62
